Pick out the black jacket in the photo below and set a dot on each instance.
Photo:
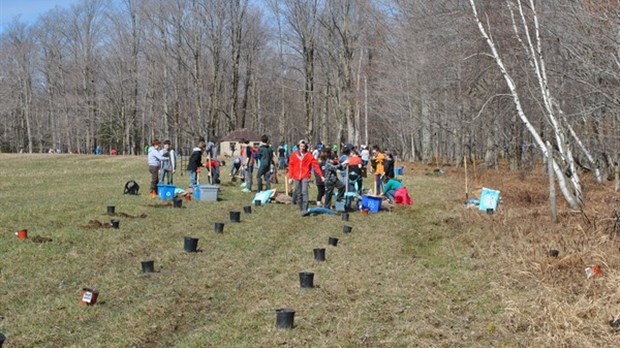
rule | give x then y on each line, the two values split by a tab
195	160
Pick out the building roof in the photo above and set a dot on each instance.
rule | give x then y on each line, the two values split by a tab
239	134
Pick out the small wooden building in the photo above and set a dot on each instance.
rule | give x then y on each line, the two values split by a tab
229	144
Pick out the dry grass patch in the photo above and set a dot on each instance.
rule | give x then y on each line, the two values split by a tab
549	301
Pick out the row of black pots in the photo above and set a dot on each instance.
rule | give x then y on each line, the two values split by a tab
285	317
235	217
190	244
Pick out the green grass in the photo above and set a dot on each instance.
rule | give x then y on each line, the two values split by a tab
400	279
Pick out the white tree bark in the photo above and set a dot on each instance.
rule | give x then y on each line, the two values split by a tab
534	51
552	196
571	198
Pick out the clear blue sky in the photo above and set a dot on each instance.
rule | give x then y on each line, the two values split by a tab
28	10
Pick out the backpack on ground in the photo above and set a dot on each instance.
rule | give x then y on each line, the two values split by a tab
131	187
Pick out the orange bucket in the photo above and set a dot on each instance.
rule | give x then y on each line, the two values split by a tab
22	234
89	296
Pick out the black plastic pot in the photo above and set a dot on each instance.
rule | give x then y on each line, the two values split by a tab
345	216
306	280
554	253
257	203
347	229
190	245
148	266
247	209
285	318
177	202
235	216
111	210
332	241
319	254
116	223
219	227
3	338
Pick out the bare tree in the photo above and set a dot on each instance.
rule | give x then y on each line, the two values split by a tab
533	48
21	54
300	17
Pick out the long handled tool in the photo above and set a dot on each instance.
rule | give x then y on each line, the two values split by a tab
198	173
346	181
375	183
286	183
181	162
210	169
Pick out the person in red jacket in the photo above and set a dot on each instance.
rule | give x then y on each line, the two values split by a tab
300	167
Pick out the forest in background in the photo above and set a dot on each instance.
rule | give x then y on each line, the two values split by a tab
415	76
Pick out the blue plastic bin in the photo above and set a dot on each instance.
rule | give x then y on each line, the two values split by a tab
489	199
165	191
372	203
399	171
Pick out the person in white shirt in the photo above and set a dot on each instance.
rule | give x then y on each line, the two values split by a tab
154	159
365	155
168	167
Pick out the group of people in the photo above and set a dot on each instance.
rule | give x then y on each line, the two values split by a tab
341	174
251	157
162	164
333	172
194	164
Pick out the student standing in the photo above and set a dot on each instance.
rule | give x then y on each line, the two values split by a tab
300	168
168	167
389	164
378	161
365	155
330	167
194	163
320	184
354	165
265	161
281	156
247	156
154	159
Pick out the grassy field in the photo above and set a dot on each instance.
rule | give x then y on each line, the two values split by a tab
434	274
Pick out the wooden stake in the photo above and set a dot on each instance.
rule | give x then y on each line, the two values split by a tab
466	190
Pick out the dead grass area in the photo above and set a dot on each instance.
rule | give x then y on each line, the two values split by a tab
550	301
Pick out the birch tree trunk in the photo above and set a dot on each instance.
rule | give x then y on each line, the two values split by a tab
552	197
572	198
